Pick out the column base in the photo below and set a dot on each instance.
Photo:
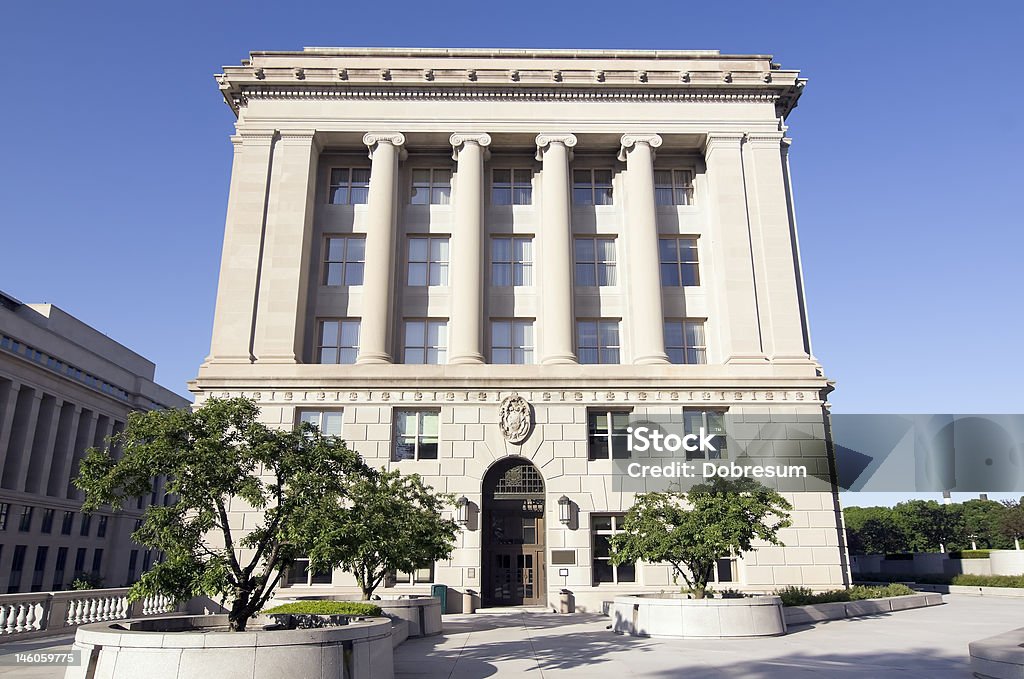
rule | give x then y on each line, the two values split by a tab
374	358
466	359
651	359
560	359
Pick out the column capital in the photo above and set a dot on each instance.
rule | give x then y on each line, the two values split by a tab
772	139
726	140
481	139
628	141
254	137
546	138
372	139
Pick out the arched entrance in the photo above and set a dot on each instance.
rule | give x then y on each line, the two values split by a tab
513	535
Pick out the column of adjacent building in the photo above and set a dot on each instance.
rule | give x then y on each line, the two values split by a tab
385	151
467	249
738	321
557	320
641	244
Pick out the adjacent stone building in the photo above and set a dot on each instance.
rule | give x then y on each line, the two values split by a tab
417	237
64	387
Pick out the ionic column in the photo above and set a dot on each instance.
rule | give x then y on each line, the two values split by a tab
737	311
385	150
556	249
281	308
467	248
63	453
7	420
773	233
641	241
22	439
243	236
38	472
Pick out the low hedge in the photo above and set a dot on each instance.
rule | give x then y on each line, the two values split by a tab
970	554
802	596
314	607
963	579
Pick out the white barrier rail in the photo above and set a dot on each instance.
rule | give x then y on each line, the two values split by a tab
42	613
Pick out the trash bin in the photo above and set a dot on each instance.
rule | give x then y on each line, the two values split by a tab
566	602
469	601
440	592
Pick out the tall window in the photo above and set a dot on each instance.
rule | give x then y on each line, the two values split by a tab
607	437
329	422
678	262
684	341
428	261
47	525
66	523
101	527
343	260
597	341
86	522
511	187
25	524
133	564
713	422
511	261
97	561
337	340
512	342
595	261
40	567
592	187
431	186
58	569
602	528
415	435
673	187
80	560
17	565
426	342
349	185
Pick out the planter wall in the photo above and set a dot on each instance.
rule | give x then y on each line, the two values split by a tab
184	647
664	616
803	615
423	613
999	657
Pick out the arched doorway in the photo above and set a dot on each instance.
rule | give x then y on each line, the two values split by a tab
513	535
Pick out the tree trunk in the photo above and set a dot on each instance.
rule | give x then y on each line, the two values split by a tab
239	616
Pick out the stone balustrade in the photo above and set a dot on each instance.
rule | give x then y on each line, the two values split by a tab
45	613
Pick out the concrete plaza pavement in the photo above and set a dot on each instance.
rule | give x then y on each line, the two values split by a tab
926	643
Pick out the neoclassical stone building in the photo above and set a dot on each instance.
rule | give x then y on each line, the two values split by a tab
415	235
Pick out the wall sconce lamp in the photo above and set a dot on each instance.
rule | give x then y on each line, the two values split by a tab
462	511
564	510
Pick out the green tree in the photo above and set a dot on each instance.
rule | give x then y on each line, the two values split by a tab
982	520
930	526
691	531
392	522
1011	522
215	457
873	530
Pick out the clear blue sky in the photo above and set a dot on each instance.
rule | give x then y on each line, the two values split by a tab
115	163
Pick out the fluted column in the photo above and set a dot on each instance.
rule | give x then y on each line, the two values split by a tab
556	249
467	248
385	149
7	420
737	304
63	453
22	439
641	241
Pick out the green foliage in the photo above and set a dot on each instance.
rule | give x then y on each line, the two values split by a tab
393	522
86	580
873	530
691	531
802	596
1011	521
969	554
326	608
215	457
988	580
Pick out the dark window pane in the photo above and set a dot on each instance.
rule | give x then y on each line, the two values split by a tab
627	572
603	571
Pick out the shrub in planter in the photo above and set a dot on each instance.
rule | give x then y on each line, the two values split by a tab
970	554
802	596
314	614
989	580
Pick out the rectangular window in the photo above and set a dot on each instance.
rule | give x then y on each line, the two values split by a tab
25	523
602	528
415	435
431	186
606	434
511	261
344	258
101	527
5	510
511	187
80	560
58	569
337	340
133	563
329	422
712	422
592	187
428	261
595	261
147	560
684	341
47	525
349	185
86	521
426	342
66	523
417	577
678	262
97	561
512	342
597	341
17	565
300	573
673	187
39	569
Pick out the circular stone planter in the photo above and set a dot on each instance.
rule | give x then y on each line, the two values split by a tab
422	612
185	647
677	617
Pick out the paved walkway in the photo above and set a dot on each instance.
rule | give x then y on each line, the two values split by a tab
927	643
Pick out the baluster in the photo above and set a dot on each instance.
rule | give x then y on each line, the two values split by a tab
19	625
8	619
30	616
